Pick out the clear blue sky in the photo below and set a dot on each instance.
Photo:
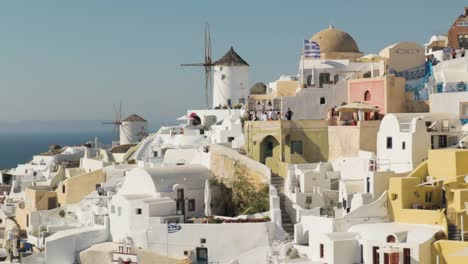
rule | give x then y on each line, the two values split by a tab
72	60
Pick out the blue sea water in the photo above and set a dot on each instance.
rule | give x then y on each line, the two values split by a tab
18	148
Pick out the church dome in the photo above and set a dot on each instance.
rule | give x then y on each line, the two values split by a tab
334	40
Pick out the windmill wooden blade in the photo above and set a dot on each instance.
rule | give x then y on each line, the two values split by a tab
193	64
207	64
116	131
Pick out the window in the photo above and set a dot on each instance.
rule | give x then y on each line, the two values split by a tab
322	100
334	184
230	139
362	253
432	142
229	102
296	147
322	253
406	256
463	41
391	239
324	78
442	141
138	211
336	78
389	142
403	145
191	205
98	186
445	125
63	188
367	96
112	209
309	80
155	154
428	197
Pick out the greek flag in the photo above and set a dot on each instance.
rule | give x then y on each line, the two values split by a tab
311	49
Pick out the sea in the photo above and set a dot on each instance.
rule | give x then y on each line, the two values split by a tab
17	148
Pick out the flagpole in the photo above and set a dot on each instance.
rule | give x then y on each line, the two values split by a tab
302	70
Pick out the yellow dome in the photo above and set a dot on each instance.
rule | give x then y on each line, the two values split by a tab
334	40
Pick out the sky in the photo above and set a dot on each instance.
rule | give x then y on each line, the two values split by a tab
73	60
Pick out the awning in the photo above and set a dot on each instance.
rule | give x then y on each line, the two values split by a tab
357	106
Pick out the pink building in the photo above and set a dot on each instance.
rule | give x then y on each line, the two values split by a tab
385	92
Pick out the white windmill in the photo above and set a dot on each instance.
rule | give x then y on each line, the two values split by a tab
131	130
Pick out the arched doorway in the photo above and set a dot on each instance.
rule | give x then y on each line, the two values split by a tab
394	257
367	96
268	148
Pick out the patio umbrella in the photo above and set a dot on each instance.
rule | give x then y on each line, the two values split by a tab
371	58
207	198
357	106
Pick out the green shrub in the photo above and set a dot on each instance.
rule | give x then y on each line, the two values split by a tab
240	196
61	213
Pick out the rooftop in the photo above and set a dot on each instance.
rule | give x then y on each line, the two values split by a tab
334	40
134	118
231	58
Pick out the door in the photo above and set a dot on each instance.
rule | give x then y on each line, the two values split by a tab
181	202
51	203
202	255
375	255
391	258
394	258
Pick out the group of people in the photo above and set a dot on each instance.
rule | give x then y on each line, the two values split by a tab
461	51
269	115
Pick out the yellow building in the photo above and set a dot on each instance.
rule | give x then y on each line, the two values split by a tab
74	189
37	198
261	100
436	192
276	143
347	141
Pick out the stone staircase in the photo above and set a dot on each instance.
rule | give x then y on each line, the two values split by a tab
288	226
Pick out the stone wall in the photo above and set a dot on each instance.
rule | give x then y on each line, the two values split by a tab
227	162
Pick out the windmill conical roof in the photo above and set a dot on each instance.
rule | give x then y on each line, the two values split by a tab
134	118
231	58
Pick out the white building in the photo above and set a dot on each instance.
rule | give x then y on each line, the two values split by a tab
404	139
153	148
323	82
228	131
231	80
311	189
376	243
450	88
436	47
326	87
312	229
157	195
